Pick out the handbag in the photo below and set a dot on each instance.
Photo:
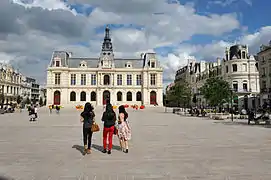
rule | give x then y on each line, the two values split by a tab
95	127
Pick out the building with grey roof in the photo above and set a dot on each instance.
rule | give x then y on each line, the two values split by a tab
74	80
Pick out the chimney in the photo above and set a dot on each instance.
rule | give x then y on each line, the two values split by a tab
218	60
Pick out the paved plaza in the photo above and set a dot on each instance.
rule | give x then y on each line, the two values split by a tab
163	146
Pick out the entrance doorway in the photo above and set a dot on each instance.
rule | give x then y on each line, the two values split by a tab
56	98
106	96
153	98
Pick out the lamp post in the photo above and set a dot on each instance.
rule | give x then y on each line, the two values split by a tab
255	106
231	104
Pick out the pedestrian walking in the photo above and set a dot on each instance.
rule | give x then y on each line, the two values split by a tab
31	111
124	132
109	119
87	118
57	109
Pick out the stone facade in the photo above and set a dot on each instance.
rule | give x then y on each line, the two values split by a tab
72	81
264	59
10	81
238	68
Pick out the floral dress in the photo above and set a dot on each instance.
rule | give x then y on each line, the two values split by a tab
124	130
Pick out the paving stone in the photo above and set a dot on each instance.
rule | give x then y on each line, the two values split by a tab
163	146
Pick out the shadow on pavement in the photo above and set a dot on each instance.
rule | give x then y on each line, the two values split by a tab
78	148
243	123
5	178
100	148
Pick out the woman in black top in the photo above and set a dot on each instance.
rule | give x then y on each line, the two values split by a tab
109	119
87	117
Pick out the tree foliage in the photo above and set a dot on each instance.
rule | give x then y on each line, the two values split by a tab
2	98
41	101
19	99
180	93
216	91
27	101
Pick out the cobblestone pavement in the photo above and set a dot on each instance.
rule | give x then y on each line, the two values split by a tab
163	146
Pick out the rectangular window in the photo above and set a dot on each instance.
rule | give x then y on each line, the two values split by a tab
153	79
153	64
245	67
245	86
227	69
73	79
235	87
83	79
57	63
129	79
138	79
234	68
119	79
93	79
57	78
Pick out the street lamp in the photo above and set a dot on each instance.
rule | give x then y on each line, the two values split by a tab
231	104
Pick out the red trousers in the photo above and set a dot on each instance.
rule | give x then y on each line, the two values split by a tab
110	132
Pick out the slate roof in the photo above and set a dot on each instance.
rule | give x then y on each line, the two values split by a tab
93	62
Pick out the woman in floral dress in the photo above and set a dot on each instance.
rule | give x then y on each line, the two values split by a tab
124	132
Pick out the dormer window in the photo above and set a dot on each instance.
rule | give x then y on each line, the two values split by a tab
83	64
128	65
152	64
57	62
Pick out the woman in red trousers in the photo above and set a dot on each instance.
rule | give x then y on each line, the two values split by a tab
109	119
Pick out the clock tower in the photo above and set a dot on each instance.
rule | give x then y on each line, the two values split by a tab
106	59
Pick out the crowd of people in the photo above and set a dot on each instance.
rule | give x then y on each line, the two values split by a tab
113	125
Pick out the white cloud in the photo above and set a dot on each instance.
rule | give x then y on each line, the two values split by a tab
45	4
230	2
50	25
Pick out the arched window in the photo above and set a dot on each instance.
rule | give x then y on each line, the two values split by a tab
245	86
57	98
138	96
119	96
235	86
72	96
129	96
83	96
153	97
93	96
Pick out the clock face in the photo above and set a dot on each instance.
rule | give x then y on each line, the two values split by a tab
105	63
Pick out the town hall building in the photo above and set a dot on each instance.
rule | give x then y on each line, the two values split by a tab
75	80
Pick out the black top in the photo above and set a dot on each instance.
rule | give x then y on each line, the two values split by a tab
109	119
88	119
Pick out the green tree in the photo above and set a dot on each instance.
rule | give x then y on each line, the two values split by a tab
19	99
41	101
180	94
34	100
2	98
27	101
216	91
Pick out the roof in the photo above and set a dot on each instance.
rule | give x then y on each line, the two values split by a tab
93	62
